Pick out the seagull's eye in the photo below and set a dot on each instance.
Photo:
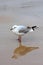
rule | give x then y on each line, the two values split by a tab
14	27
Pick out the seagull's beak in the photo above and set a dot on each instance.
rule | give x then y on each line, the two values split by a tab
11	29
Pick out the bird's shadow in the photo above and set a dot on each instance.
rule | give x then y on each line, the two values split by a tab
22	50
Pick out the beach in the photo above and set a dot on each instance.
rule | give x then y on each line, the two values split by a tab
28	13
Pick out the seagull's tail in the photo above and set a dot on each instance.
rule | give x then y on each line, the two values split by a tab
34	27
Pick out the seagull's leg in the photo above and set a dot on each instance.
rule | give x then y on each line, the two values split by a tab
19	39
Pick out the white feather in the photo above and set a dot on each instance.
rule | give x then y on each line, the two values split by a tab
31	30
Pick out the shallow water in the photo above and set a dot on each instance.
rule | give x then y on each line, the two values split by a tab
25	12
22	50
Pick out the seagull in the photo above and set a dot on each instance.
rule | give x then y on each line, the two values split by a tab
21	30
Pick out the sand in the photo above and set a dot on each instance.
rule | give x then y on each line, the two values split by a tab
30	13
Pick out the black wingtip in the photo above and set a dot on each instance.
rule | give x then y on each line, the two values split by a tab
34	27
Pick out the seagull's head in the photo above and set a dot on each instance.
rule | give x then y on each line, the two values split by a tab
13	27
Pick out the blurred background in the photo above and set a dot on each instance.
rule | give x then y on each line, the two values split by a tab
25	12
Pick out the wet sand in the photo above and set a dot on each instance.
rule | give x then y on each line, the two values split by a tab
22	50
9	44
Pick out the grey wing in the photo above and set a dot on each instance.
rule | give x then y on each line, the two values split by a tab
23	30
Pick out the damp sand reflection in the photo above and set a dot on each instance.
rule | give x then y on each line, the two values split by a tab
22	50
